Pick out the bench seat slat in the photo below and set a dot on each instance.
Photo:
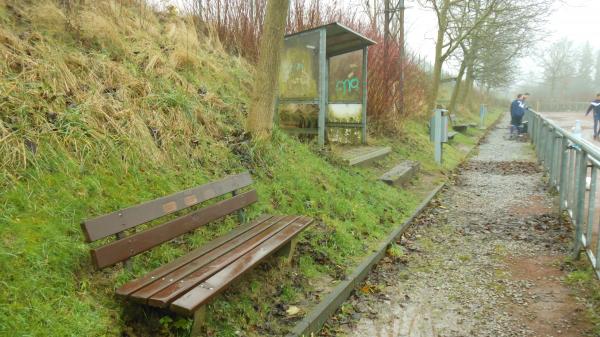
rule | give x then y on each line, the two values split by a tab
197	296
166	280
134	285
162	293
135	244
115	222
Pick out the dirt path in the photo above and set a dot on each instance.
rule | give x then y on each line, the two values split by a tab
485	260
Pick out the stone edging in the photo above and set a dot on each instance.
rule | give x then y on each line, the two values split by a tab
314	321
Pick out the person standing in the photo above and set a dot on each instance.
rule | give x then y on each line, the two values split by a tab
517	111
524	104
595	106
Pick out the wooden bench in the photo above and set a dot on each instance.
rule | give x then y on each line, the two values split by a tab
190	281
456	126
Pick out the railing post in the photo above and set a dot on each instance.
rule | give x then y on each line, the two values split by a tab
558	153
547	149
564	145
552	156
541	143
533	121
591	208
579	216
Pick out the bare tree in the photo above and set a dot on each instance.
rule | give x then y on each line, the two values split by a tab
558	64
585	64
372	9
457	20
260	116
491	51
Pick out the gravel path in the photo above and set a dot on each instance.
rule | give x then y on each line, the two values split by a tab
484	260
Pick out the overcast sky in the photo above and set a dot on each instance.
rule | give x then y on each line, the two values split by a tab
578	20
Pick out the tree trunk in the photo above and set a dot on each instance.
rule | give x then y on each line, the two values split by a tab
260	116
437	68
469	81
439	61
401	60
386	31
457	86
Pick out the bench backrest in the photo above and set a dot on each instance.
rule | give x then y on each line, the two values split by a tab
117	222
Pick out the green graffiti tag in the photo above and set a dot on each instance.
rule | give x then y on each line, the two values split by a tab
347	86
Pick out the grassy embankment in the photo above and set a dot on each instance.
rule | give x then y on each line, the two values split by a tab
113	105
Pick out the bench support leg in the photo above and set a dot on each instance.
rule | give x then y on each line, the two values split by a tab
199	322
287	251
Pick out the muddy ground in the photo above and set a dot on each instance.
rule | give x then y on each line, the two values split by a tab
486	259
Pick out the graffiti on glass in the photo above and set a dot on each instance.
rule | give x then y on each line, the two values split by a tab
347	86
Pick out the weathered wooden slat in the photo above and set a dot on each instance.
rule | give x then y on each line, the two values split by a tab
115	222
120	250
134	285
364	155
177	287
204	291
401	173
166	280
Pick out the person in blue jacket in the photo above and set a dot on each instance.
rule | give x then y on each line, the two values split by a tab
595	106
517	110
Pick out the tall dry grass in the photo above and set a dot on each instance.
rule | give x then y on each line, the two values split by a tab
129	75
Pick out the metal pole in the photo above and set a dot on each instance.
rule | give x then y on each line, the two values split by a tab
401	58
574	183
437	135
482	116
551	152
570	180
558	157
322	85
579	221
591	206
363	134
563	173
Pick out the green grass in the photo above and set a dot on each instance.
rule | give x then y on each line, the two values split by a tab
583	281
98	155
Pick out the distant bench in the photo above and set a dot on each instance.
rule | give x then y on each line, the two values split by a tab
457	125
187	283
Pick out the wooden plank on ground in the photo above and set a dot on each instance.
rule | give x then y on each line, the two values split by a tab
401	173
364	155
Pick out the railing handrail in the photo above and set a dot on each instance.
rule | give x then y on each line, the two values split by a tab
584	144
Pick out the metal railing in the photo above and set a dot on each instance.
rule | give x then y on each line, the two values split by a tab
567	160
562	106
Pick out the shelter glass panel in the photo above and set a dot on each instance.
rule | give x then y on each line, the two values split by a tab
345	78
298	116
344	113
343	135
299	73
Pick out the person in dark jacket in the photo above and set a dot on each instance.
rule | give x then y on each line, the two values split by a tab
517	110
595	106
